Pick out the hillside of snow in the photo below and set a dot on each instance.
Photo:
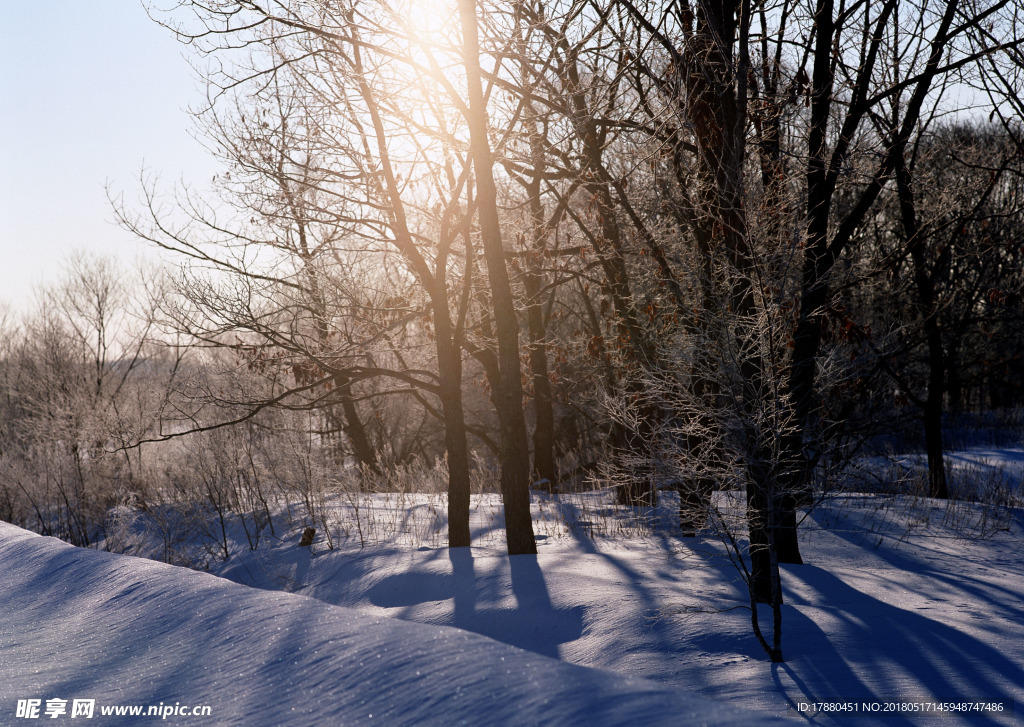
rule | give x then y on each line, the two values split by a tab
900	602
903	603
83	625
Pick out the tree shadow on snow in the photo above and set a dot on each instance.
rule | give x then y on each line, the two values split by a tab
661	611
534	623
870	642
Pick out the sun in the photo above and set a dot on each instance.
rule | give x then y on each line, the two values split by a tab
431	23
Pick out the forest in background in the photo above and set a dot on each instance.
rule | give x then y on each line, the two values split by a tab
588	244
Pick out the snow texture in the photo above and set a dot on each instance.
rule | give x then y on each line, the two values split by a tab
902	601
879	614
77	623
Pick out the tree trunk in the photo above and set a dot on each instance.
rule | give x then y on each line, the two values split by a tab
955	382
758	508
544	467
508	399
716	98
456	447
353	427
932	415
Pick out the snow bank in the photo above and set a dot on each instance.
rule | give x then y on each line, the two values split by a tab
80	624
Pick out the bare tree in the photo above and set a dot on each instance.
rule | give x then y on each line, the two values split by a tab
945	267
80	379
375	78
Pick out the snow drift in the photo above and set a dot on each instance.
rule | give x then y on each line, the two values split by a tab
81	624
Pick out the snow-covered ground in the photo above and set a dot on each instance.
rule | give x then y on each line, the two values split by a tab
897	603
903	603
122	632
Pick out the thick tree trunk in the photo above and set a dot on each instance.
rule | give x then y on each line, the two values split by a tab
508	400
449	346
716	97
814	289
773	179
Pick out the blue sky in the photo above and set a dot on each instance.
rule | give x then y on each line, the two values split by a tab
90	91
